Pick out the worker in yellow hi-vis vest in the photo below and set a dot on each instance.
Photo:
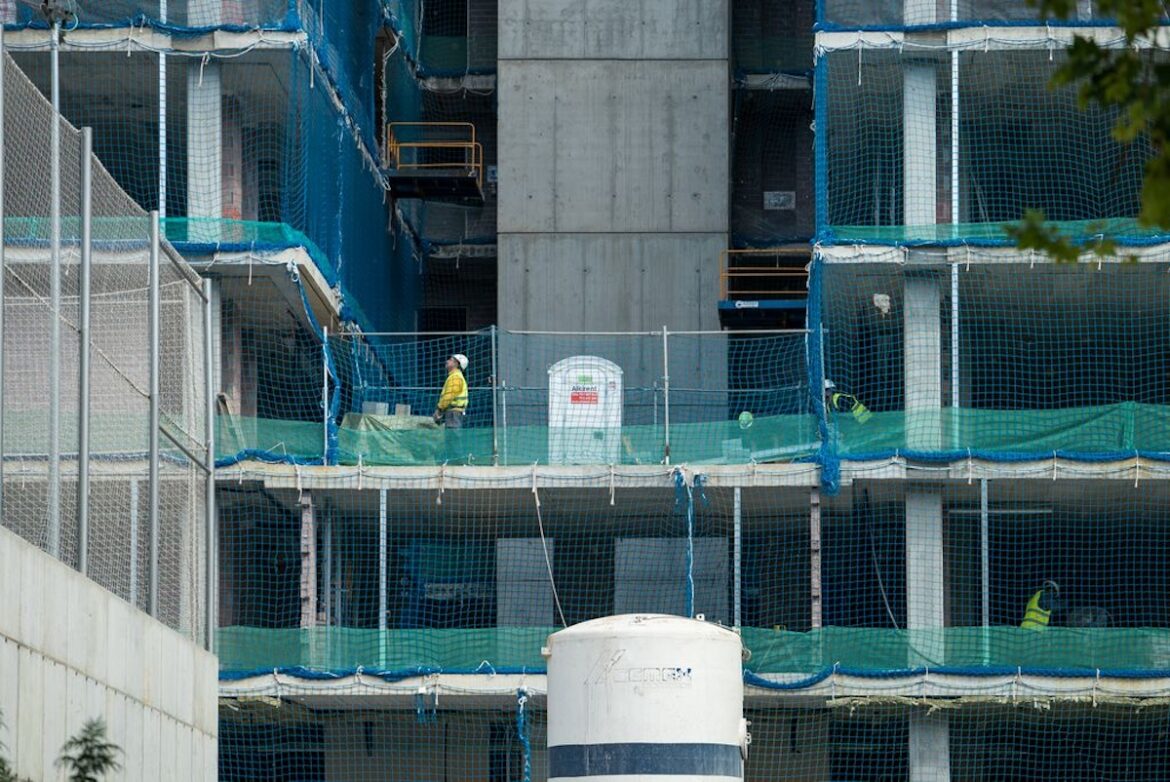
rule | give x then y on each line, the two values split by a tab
452	404
841	402
1038	612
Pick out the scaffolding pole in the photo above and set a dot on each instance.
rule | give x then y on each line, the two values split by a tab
83	335
211	547
53	490
154	338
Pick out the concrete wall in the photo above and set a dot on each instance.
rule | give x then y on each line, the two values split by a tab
613	163
70	651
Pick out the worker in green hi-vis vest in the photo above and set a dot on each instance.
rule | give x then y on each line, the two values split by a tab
841	402
1038	612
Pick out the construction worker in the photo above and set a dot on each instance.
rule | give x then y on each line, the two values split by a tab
1038	613
840	402
452	403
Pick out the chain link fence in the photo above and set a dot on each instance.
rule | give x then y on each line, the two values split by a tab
150	551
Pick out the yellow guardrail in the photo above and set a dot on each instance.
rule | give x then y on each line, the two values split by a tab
745	272
406	145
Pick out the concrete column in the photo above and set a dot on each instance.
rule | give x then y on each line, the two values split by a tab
204	150
930	748
232	188
925	618
922	359
308	562
920	143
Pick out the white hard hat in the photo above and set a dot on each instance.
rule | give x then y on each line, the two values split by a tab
829	385
460	359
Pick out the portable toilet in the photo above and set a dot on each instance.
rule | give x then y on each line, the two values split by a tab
584	411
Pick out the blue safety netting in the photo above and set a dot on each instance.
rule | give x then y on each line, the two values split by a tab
899	14
987	115
291	128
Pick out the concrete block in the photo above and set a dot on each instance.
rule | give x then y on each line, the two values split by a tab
77	699
169	738
58	590
54	723
612	282
613	146
9	691
30	737
184	750
117	624
88	612
613	29
183	708
206	694
131	647
154	675
134	741
116	717
10	585
152	759
34	606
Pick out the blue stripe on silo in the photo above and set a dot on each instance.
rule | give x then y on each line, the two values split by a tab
595	760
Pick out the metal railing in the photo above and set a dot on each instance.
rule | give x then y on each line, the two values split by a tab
768	273
647	385
420	146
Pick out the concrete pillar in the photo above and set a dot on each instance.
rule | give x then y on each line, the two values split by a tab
930	748
232	187
308	562
922	359
920	143
925	619
204	150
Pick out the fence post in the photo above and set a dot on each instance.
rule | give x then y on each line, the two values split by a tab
325	394
2	271
54	484
495	385
665	396
211	552
154	336
83	329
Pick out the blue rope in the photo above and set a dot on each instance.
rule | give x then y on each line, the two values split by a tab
522	732
681	489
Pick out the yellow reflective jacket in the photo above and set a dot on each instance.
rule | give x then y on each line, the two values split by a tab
454	395
839	400
1036	617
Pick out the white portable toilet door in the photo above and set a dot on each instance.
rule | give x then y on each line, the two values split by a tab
584	411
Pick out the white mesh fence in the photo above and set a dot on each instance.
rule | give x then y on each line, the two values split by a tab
119	530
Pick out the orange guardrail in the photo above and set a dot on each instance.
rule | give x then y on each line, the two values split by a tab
407	145
771	272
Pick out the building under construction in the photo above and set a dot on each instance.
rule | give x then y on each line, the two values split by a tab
746	338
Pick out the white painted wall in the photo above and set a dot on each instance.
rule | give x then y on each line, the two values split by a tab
71	651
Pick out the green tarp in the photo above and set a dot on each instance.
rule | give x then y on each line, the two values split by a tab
1144	650
1123	428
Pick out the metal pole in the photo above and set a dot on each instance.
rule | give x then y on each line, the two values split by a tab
134	542
83	329
211	553
325	394
738	557
504	418
665	396
54	486
154	337
814	559
985	566
162	120
2	55
495	384
383	596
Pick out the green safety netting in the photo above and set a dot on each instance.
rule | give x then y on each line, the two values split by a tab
477	577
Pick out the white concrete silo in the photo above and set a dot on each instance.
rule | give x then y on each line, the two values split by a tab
646	696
